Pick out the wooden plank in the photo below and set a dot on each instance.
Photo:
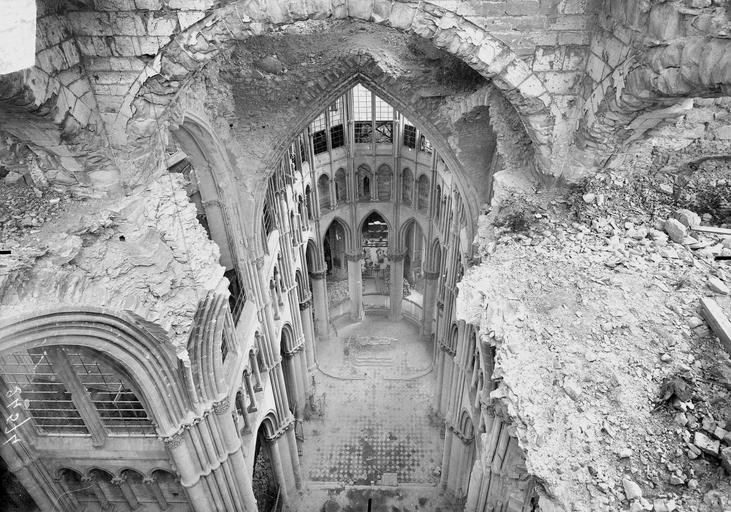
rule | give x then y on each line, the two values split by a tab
718	321
711	229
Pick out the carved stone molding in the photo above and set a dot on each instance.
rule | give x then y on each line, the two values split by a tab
305	304
318	275
460	435
221	407
431	275
397	256
353	256
174	441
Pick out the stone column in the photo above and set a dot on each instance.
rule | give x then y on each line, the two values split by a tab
355	285
430	292
247	421
278	468
446	456
98	492
255	370
294	453
309	330
320	303
16	456
157	493
275	300
189	479
127	492
67	493
397	284
250	391
473	491
232	443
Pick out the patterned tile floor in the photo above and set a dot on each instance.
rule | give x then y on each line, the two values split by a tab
375	428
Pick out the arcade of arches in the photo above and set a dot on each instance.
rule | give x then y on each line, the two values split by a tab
271	255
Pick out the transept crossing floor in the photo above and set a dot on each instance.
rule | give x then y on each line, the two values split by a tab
372	422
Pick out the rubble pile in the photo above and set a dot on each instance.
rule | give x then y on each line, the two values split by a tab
619	392
146	254
23	208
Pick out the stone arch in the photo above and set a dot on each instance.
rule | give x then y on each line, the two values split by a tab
407	186
349	240
323	193
301	285
287	337
466	425
366	182
384	178
447	30
136	346
270	423
341	186
434	259
453	337
313	256
368	74
422	193
403	230
364	217
213	330
288	345
214	174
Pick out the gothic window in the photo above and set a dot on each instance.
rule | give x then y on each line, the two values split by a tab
53	383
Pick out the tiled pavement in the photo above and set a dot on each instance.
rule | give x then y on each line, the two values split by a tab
376	428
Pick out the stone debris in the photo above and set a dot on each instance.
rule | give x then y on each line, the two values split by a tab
688	218
606	325
631	489
718	286
676	230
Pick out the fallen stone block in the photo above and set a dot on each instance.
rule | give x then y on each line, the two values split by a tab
718	286
706	444
675	230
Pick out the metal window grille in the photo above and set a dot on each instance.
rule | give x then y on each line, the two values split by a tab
361	104
384	111
362	132
120	411
335	112
410	136
44	396
337	136
237	297
319	142
384	132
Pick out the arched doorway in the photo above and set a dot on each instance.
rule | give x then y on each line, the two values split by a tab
334	244
374	241
264	480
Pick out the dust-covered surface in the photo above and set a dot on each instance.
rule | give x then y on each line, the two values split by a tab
595	316
145	253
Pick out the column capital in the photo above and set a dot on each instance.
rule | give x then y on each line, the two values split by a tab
305	304
396	256
221	407
174	441
357	256
431	275
259	262
318	275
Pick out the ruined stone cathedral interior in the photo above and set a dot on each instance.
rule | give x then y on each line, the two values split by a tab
365	255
